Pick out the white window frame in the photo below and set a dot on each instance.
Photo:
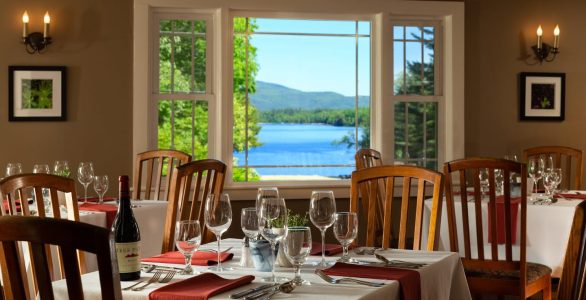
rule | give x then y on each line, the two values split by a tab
450	132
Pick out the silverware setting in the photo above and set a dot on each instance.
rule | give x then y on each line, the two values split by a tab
216	251
156	278
399	263
332	280
148	268
365	250
252	290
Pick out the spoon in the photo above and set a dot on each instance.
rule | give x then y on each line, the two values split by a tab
398	263
286	288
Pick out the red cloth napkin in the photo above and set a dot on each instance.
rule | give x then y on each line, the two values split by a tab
202	258
6	206
331	249
109	209
409	280
200	287
96	199
570	196
500	219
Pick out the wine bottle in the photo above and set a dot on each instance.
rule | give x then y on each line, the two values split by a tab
126	235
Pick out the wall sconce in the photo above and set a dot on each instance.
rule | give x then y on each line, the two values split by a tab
35	42
543	51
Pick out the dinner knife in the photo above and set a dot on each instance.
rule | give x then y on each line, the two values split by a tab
253	290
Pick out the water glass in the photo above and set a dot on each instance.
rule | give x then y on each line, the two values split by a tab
218	217
41	169
297	246
345	231
101	186
85	175
249	222
322	209
61	168
550	179
187	240
13	169
272	223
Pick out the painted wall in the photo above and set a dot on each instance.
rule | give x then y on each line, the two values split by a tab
93	39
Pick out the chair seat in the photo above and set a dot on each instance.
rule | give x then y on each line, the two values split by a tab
534	272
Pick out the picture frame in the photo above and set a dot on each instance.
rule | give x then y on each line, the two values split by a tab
542	96
37	93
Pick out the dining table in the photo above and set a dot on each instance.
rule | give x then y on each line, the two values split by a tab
548	229
442	277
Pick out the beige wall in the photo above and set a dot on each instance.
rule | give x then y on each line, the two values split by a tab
498	34
93	39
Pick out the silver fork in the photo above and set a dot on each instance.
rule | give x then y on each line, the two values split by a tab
168	277
216	251
153	279
329	279
142	281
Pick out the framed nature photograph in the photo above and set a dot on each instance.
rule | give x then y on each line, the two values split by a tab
37	93
542	96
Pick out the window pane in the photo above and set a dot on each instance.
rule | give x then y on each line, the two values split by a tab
414	61
414	75
183	126
416	133
398	32
428	66
399	68
413	33
428	33
296	97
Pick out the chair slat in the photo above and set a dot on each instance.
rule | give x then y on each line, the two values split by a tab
165	160
419	215
42	270
404	210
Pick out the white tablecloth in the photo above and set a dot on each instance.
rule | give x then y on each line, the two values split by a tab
443	279
548	230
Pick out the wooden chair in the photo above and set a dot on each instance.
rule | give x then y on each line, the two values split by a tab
69	236
500	273
366	158
365	186
572	284
206	176
569	159
15	191
159	164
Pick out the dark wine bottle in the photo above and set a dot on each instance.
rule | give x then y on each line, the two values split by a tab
126	235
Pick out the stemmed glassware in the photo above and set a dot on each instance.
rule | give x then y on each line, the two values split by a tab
551	179
85	175
272	223
61	168
266	192
249	222
345	231
535	168
218	217
187	240
483	177
322	208
101	186
41	169
13	169
297	246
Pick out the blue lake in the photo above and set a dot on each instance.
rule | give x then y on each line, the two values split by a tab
301	144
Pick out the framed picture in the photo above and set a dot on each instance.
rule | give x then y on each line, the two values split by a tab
542	96
37	93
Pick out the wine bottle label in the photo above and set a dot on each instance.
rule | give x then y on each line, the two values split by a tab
128	255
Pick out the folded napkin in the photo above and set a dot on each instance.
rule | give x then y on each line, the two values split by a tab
409	280
331	249
6	206
97	199
198	258
109	209
500	219
200	287
570	196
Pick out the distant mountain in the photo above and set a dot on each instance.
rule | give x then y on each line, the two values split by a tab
271	96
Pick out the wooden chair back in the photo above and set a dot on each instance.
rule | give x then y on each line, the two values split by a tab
366	185
484	270
16	190
572	284
155	166
206	177
366	158
566	158
68	236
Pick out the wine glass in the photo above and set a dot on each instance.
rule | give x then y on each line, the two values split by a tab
218	217
266	192
297	246
85	175
41	169
101	186
187	240
549	163
345	230
535	170
249	222
322	208
272	223
61	168
13	169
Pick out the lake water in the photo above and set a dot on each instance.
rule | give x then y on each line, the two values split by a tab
301	144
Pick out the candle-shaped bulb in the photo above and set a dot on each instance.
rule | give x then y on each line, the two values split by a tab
25	17
556	37
47	20
24	24
539	34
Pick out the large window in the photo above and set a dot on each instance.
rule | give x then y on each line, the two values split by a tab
301	98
